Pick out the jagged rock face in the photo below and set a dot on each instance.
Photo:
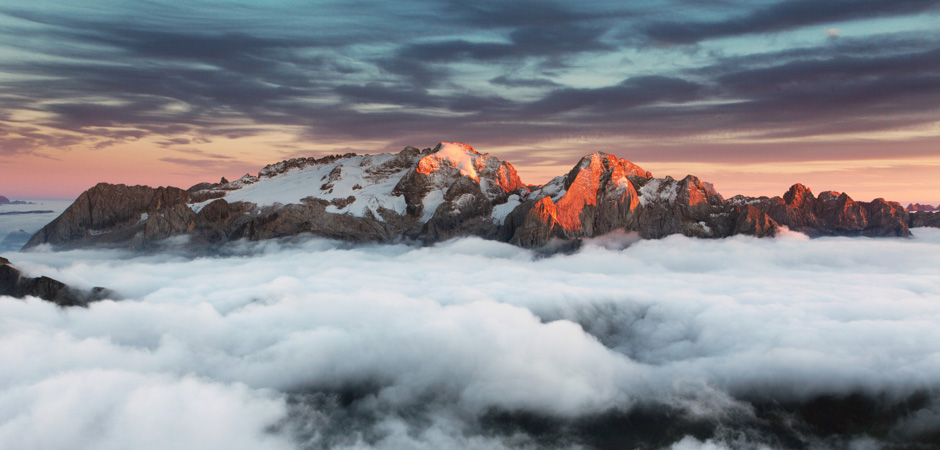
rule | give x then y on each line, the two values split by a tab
437	172
540	224
597	196
109	213
465	210
834	213
688	206
603	193
450	190
14	284
754	222
449	159
427	195
924	219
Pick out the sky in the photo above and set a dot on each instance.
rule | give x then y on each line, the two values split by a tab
750	95
317	344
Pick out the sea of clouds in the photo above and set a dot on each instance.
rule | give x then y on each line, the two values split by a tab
676	343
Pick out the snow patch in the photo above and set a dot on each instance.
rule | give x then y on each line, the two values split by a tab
362	177
658	190
500	212
431	202
555	189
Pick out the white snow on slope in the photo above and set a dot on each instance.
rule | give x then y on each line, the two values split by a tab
658	190
431	202
372	189
502	210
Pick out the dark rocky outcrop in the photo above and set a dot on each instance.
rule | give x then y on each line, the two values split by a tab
15	284
115	213
4	200
924	219
432	194
832	213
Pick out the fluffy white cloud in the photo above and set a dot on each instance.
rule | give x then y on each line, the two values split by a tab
211	352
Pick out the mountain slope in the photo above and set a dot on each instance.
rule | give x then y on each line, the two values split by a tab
450	190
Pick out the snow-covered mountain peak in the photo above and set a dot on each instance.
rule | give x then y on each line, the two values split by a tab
454	159
456	155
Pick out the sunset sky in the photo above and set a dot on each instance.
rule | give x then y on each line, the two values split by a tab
751	95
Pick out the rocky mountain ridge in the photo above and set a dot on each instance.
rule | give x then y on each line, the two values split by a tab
919	207
14	284
450	190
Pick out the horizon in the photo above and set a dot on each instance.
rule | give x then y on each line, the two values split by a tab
29	197
752	97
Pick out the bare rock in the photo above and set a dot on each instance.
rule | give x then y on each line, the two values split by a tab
432	194
465	211
115	213
539	225
834	213
14	284
924	219
754	222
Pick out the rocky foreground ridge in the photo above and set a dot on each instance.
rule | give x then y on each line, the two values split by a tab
452	190
14	284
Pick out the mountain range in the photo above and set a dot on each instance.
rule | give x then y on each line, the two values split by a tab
920	207
433	194
6	201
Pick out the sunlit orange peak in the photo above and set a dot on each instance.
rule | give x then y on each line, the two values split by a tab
453	154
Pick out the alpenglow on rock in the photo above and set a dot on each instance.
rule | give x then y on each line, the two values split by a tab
450	190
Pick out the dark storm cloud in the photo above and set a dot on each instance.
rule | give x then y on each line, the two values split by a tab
237	52
401	77
627	95
838	68
556	40
785	15
162	82
527	13
17	139
505	80
398	95
855	86
420	62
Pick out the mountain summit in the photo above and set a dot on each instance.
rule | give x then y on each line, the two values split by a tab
450	190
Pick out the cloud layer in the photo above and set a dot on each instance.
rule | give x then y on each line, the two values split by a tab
477	344
490	73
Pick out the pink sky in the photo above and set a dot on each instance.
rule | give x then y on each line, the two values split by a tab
859	170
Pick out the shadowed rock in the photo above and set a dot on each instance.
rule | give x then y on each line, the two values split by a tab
452	190
14	284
